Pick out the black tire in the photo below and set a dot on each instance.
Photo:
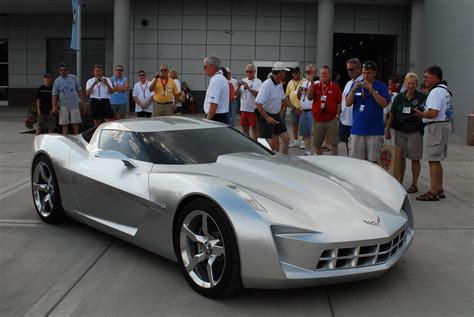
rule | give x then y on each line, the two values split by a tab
51	214
230	281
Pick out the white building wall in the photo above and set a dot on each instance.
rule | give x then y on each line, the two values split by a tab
449	42
181	33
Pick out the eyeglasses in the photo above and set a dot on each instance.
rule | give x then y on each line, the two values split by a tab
351	69
249	71
119	69
163	70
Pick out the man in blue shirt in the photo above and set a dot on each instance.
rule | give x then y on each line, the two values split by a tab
369	97
118	99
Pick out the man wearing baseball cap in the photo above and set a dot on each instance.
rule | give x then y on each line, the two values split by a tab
269	101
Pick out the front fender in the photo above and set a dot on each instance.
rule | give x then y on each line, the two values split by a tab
258	254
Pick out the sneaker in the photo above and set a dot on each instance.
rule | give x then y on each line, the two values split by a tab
308	153
293	143
302	147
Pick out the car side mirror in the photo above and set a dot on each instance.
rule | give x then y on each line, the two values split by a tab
264	142
115	155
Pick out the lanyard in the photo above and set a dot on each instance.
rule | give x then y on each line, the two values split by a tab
324	92
164	83
98	87
144	89
296	84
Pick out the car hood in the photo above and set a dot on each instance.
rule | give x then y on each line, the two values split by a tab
306	193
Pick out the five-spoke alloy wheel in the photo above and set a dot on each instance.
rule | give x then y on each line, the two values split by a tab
46	191
207	250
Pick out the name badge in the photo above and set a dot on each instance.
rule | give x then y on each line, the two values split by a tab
406	110
164	93
358	94
323	98
361	109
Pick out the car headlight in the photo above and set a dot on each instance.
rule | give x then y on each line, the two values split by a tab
248	198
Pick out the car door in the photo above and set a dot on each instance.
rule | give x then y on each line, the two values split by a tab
109	192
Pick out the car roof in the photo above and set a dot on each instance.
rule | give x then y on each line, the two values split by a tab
157	124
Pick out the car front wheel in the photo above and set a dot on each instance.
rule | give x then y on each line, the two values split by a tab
45	190
207	249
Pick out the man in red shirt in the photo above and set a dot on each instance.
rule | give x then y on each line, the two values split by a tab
327	97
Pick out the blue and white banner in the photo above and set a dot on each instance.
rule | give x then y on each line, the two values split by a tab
75	19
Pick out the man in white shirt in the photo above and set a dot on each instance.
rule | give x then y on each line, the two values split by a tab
354	69
216	102
142	96
99	89
248	90
269	101
437	117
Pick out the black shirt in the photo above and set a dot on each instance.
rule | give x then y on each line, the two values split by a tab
44	96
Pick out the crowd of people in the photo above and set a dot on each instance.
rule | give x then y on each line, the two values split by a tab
320	112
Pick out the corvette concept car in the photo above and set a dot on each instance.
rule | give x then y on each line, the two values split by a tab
231	212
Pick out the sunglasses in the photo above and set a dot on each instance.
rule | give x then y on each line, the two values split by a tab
119	69
249	71
204	67
163	70
308	72
369	66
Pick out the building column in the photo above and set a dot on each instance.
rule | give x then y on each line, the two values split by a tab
415	63
122	36
325	33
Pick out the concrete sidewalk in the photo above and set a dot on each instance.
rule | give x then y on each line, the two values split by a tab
72	269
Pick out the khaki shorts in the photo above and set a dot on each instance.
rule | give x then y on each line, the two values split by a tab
435	141
160	109
323	129
119	109
69	115
366	147
410	143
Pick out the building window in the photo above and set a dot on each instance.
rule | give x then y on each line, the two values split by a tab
3	72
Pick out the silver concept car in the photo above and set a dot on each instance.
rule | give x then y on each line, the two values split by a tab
232	213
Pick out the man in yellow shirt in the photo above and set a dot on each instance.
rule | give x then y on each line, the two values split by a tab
165	93
292	93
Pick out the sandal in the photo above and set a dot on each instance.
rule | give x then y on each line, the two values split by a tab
413	189
428	196
441	194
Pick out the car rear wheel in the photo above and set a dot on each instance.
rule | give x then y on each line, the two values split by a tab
45	190
207	250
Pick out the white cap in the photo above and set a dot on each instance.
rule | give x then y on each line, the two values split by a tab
280	66
228	70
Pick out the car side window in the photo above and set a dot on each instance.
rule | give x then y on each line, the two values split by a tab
124	142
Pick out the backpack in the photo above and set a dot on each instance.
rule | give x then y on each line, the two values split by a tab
450	109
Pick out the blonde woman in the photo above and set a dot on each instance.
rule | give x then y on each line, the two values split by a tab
408	128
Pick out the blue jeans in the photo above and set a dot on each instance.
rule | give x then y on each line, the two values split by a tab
233	107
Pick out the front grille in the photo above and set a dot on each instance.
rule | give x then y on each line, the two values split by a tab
357	256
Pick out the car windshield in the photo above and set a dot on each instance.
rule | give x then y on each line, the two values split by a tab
197	146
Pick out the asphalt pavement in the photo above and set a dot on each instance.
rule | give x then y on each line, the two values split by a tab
71	269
